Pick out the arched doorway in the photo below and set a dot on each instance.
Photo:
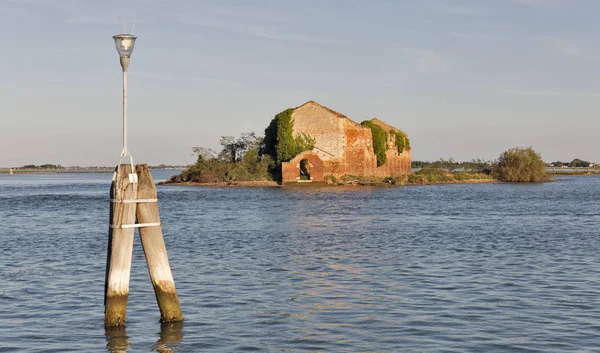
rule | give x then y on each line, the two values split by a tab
305	167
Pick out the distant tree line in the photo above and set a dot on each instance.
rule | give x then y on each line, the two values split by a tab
576	163
43	166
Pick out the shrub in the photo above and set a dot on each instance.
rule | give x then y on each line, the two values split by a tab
464	176
380	139
397	179
522	165
369	180
417	179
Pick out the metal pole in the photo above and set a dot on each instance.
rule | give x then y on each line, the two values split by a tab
125	151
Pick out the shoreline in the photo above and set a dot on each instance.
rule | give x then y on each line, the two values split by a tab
267	183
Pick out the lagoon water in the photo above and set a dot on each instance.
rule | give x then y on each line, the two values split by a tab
453	268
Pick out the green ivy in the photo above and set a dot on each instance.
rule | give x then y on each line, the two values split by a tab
380	138
402	141
280	142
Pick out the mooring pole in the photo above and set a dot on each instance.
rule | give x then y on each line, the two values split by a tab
122	213
120	247
154	247
133	190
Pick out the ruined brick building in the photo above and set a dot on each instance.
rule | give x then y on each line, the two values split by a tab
342	147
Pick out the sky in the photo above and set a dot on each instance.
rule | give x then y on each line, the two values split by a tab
464	78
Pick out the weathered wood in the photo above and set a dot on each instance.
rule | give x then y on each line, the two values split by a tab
155	249
120	247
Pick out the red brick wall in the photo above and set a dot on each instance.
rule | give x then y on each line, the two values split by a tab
290	171
343	147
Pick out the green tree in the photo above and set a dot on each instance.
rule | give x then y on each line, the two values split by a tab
576	163
235	148
380	141
520	165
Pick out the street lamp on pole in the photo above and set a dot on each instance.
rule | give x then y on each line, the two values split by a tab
125	44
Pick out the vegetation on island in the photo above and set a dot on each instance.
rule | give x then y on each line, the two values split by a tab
475	165
520	165
249	157
240	159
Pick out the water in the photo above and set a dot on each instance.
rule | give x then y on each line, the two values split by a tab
453	268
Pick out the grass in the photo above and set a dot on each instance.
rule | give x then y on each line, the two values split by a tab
423	177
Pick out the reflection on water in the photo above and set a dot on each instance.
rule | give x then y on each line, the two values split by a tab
117	340
169	339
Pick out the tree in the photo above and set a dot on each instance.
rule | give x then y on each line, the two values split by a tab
557	164
203	154
576	163
520	165
235	148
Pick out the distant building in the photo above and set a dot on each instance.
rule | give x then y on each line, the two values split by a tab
342	147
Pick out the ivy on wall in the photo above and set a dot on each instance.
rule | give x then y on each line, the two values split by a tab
402	141
280	142
380	138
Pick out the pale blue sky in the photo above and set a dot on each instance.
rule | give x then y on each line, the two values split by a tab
465	79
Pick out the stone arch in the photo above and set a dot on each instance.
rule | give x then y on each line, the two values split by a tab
290	171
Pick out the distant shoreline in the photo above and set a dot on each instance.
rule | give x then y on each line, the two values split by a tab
69	171
267	183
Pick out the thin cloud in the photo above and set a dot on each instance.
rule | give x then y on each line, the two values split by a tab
427	61
263	32
552	93
543	3
563	46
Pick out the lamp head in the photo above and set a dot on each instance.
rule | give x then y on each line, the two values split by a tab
124	44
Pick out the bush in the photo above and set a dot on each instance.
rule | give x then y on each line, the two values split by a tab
520	165
464	176
380	138
369	180
397	179
417	179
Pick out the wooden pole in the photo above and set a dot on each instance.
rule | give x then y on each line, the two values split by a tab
155	249
120	247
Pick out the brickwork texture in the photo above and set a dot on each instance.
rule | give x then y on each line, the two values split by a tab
342	147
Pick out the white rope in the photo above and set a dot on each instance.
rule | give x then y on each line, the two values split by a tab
137	225
134	201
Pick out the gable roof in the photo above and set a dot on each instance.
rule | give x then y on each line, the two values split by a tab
324	107
338	114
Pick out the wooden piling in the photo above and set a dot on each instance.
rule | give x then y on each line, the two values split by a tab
120	247
155	249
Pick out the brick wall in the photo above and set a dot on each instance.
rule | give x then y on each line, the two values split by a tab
290	171
342	146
